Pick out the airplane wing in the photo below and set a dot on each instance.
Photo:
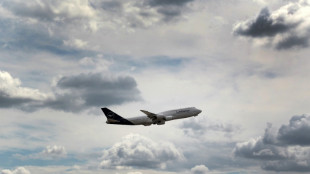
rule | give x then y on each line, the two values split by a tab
150	114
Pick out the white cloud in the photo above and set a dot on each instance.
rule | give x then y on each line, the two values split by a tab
137	151
11	87
199	169
134	173
96	64
53	152
75	43
19	170
49	153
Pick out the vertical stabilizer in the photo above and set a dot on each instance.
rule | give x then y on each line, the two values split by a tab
113	118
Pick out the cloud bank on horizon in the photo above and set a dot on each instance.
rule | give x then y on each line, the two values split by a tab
244	63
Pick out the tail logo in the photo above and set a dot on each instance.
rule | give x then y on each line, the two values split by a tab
110	115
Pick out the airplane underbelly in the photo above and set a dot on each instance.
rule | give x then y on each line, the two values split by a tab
141	121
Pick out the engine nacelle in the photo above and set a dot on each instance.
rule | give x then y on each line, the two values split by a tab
168	118
161	123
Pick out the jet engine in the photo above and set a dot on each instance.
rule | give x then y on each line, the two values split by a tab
161	122
168	118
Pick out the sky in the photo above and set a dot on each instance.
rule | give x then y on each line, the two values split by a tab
244	63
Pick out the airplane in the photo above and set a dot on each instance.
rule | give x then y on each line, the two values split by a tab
150	118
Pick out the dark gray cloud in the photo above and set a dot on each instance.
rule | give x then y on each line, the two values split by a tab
93	90
71	93
140	152
296	132
293	42
261	148
95	82
284	28
285	149
170	13
113	6
257	149
149	13
263	26
7	101
168	2
170	10
90	13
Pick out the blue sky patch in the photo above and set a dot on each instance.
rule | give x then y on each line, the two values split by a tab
20	157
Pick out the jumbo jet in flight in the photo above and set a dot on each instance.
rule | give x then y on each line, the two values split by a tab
150	118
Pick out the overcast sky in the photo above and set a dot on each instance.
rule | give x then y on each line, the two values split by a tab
245	64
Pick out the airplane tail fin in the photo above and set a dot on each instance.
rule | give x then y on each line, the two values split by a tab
113	118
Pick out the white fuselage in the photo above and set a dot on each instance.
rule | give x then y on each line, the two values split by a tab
165	116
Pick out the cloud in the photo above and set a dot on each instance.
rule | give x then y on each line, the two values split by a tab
169	9
71	93
54	11
199	169
37	37
59	27
142	14
51	152
171	2
296	132
134	173
262	26
75	43
12	94
78	92
93	14
198	127
299	163
285	149
19	170
137	151
285	28
257	149
293	41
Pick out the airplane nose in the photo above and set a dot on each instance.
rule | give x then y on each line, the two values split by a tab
199	111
